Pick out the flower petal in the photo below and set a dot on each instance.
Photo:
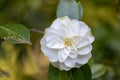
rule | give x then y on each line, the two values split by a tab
63	54
83	59
49	36
65	21
56	24
83	42
76	26
61	32
50	53
55	64
90	36
85	50
70	62
63	67
78	65
42	41
83	29
73	54
55	43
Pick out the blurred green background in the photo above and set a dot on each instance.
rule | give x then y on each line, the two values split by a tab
25	62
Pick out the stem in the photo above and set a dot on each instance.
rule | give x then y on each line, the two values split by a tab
36	30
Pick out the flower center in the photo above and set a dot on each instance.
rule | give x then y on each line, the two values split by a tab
67	42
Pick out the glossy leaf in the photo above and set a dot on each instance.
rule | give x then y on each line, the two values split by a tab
98	70
77	74
80	10
56	74
68	8
15	33
83	73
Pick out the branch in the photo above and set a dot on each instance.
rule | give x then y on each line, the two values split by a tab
36	30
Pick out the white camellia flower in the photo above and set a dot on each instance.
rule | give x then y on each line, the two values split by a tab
67	43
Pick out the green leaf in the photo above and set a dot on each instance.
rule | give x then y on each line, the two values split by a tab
80	10
77	74
98	70
68	8
15	33
56	74
83	73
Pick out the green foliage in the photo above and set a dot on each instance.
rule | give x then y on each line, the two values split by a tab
98	70
80	10
12	66
15	33
56	74
69	8
82	73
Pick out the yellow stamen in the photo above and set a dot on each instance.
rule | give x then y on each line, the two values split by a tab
67	42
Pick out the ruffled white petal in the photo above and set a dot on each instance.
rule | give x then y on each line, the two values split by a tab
55	64
90	36
42	41
85	50
76	27
73	54
63	54
63	67
65	21
83	42
51	54
78	65
55	43
60	32
83	29
49	36
70	62
83	59
57	24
